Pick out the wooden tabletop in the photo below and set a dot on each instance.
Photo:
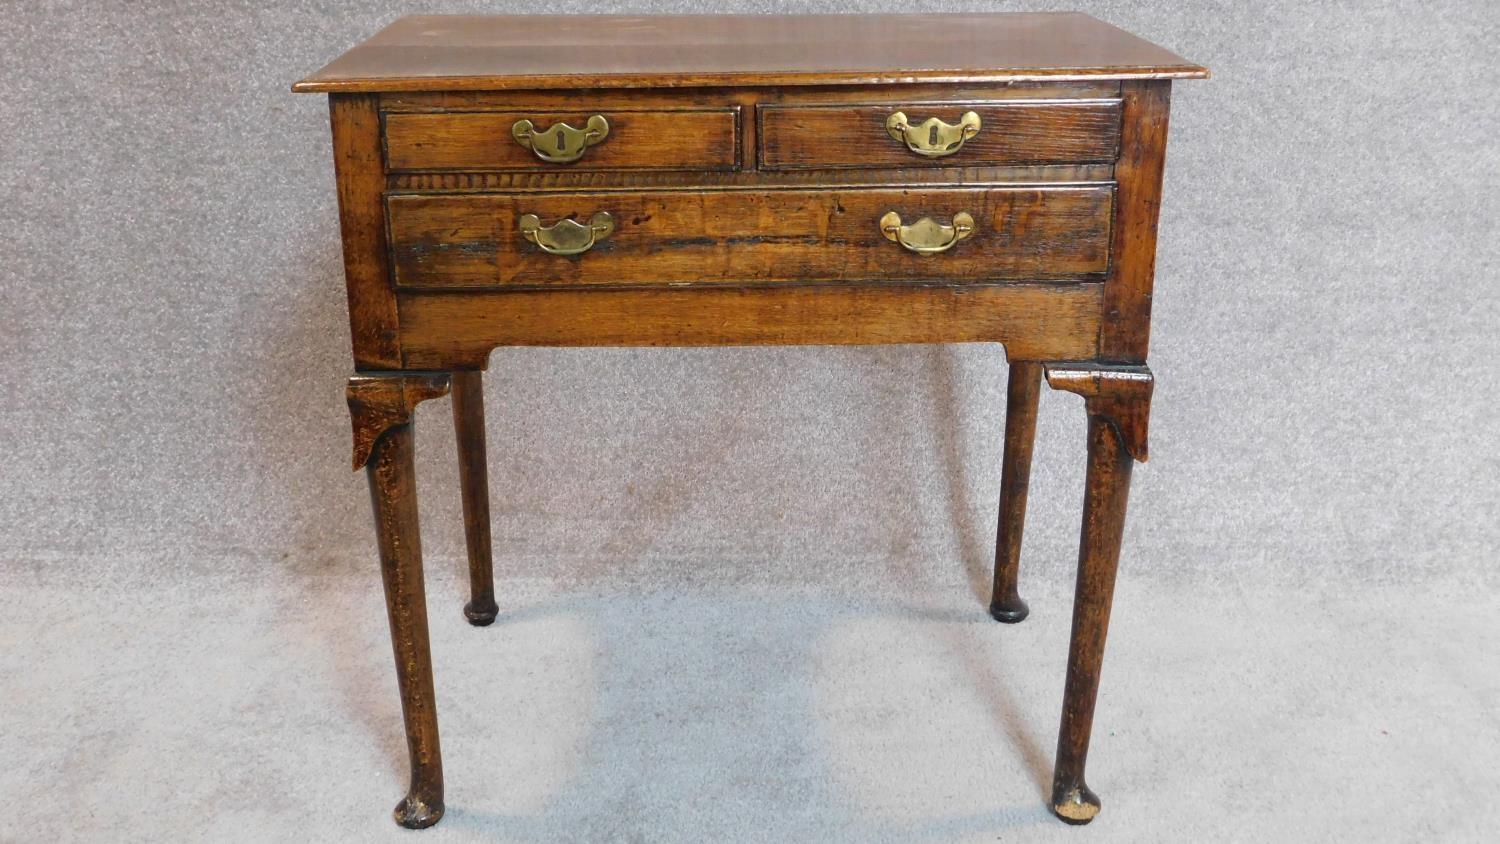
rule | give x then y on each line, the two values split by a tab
486	52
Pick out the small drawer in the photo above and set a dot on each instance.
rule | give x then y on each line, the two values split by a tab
937	134
751	236
604	139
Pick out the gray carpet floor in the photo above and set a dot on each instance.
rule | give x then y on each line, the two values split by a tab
873	703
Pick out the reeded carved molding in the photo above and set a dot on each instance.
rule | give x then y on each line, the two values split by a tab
1121	395
753	180
381	401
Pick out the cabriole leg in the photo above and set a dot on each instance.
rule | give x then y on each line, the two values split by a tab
381	410
1118	402
473	476
1015	478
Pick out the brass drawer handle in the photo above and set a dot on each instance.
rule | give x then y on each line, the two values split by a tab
932	137
560	143
927	236
567	236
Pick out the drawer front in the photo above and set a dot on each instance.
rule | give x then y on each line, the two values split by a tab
744	236
698	139
1010	132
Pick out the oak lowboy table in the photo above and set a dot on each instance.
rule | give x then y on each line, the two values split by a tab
706	181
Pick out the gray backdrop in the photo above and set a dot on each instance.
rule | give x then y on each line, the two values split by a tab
174	340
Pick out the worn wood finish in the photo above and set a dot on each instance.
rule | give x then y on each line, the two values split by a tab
373	328
1143	149
1119	393
1033	321
1022	390
380	401
683	139
393	495
474	485
383	405
477	53
1012	132
746	170
750	236
1118	402
1108	485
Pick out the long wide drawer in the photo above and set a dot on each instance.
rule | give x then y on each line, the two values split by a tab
605	139
938	134
745	236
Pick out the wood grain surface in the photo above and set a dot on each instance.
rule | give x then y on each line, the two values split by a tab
1143	152
1015	132
1022	389
469	52
751	236
1035	322
355	120
474	491
699	139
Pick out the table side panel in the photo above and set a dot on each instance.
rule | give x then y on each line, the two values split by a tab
357	163
1128	290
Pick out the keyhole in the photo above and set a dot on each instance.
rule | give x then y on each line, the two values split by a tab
932	135
562	141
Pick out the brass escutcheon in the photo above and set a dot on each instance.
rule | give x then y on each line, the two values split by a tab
567	236
560	143
932	138
927	236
